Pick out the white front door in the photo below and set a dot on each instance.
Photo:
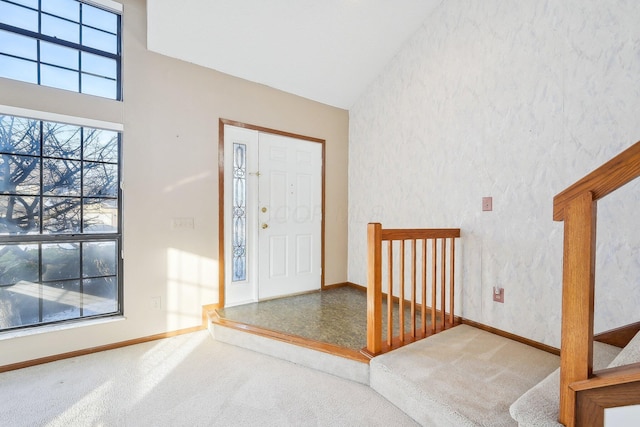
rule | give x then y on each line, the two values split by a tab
290	215
272	215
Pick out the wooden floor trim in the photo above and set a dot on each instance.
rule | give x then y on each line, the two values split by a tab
618	337
98	349
291	339
505	334
530	343
33	362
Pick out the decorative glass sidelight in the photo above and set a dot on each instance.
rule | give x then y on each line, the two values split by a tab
239	214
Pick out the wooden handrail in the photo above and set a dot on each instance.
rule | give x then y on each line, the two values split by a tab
609	388
416	238
419	233
620	170
577	207
610	376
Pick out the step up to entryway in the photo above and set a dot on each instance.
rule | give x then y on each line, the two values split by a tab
348	366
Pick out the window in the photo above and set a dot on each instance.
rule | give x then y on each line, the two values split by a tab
64	44
239	214
60	233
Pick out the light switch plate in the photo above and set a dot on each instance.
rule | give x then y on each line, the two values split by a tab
487	203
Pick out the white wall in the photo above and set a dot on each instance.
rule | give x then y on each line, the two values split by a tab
515	100
170	114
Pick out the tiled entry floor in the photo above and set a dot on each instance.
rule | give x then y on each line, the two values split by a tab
335	316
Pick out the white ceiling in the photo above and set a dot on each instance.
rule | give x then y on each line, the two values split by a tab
324	50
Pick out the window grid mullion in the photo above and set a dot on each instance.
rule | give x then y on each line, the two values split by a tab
41	195
79	52
82	180
119	94
81	281
54	40
38	67
40	284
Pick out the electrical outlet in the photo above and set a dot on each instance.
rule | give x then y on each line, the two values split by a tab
487	203
156	303
498	294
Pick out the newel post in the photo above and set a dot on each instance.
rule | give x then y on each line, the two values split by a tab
374	288
576	358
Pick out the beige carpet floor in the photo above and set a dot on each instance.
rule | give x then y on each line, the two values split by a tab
189	380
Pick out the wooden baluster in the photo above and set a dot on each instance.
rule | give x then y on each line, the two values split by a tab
434	271
374	288
452	269
423	312
390	297
401	301
443	269
413	288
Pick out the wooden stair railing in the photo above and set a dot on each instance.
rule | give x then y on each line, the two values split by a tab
576	206
432	264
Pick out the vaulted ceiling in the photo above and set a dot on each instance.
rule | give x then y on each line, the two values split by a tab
325	50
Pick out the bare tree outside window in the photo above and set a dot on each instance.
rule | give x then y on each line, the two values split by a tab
59	233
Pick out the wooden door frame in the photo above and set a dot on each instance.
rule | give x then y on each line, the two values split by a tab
221	207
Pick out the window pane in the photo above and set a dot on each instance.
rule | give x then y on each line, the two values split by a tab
61	300
99	86
30	3
60	261
239	211
18	263
99	18
18	16
15	44
98	259
100	296
61	177
18	69
99	40
100	216
69	9
19	215
59	28
19	175
99	65
61	140
57	77
19	136
61	215
101	145
58	55
20	304
100	179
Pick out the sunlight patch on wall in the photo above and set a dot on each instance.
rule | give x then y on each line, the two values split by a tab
191	283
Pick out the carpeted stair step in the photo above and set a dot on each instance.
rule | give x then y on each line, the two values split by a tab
539	406
463	376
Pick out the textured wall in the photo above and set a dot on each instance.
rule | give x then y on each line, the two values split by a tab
515	100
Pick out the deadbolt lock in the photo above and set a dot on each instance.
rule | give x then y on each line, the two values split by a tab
264	209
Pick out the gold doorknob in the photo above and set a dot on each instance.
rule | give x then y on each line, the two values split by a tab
265	225
264	209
